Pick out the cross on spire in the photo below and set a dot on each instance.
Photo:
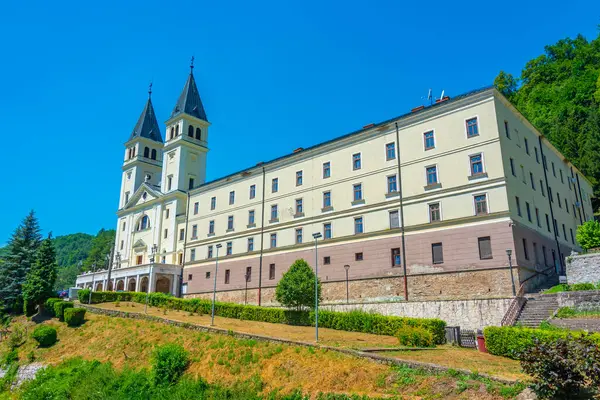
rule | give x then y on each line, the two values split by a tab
150	90
192	65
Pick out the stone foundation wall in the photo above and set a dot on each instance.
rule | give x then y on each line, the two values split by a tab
583	268
583	300
578	324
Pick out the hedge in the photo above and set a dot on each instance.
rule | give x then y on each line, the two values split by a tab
49	305
355	321
59	309
74	316
512	341
45	335
414	336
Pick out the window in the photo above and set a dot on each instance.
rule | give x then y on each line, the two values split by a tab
227	276
172	135
550	194
548	222
195	230
485	247
144	223
299	207
480	204
356	161
211	227
248	275
561	176
394	220
213	203
231	197
191	131
528	211
230	223
210	252
273	240
176	130
357	192
437	253
252	191
506	130
166	233
146	152
196	207
126	197
169	182
153	154
558	199
274	212
564	231
553	169
472	127
274	185
191	184
525	252
396	257
537	157
229	247
536	258
190	277
327	230
272	271
326	170
298	235
544	255
429	140
555	227
526	146
531	179
358	256
181	234
358	225
122	244
431	173
545	162
572	237
476	164
518	206
251	217
542	188
326	260
123	226
523	174
392	186
193	255
299	178
250	244
390	151
326	199
207	275
434	212
198	133
537	217
512	167
139	260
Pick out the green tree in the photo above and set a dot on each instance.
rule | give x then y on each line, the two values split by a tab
22	250
296	289
100	248
588	235
506	84
38	286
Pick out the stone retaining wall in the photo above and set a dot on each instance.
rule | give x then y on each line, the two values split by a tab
582	300
583	268
578	324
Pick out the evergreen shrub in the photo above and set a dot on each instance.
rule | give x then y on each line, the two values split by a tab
49	305
414	336
169	362
60	307
74	316
45	335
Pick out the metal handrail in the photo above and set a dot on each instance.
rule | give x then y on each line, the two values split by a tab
516	305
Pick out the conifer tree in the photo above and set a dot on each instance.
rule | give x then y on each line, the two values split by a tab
38	286
22	249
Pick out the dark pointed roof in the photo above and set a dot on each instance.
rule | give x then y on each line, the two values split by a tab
147	126
189	101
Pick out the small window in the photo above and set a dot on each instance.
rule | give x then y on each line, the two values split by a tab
506	129
213	203
190	277
357	189
250	244
561	176
167	213
153	154
231	197
229	248
390	151
518	202
248	275
211	227
537	217
196	207
358	225
512	167
122	244
326	170
431	173
572	237
181	234
394	220
525	251
166	233
480	204
123	227
326	260
274	212
176	130
528	211
558	200
299	178
542	188
198	133
191	131
564	232
358	256
251	217
298	235
553	169
227	276
526	146
476	165
146	152
472	127
169	182
437	253
392	185
230	223
396	257
537	156
532	180
193	255
485	248
252	191
356	164
548	222
434	212
327	231
210	252
271	271
299	207
207	275
274	185
195	230
326	199
273	240
429	140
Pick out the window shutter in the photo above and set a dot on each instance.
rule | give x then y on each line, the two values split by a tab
485	248
437	253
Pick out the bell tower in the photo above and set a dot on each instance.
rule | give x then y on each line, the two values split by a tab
186	145
143	154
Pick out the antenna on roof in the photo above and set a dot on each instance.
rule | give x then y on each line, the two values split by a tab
429	97
442	96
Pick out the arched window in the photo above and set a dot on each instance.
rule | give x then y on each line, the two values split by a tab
144	223
198	133
146	152
129	153
172	133
176	130
133	152
153	156
191	131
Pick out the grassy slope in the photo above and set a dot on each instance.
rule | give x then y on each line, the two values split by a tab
227	360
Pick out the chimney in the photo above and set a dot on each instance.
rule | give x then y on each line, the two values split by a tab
369	126
417	109
298	150
442	99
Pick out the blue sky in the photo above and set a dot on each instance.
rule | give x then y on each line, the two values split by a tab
273	76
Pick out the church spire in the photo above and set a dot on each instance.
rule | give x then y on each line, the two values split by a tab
189	100
147	125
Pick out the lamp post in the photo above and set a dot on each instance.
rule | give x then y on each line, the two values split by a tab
118	262
316	236
152	255
347	267
93	279
212	313
246	293
512	277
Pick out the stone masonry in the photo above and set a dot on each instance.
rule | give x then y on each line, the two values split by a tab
584	268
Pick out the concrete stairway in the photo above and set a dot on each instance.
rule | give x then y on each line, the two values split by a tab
537	309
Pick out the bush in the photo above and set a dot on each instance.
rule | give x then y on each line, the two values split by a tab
8	358
512	342
60	307
562	367
49	305
563	287
296	289
168	364
45	335
414	337
588	235
74	316
29	308
83	296
16	337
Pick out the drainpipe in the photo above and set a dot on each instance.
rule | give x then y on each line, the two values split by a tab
554	227
401	213
580	197
576	199
262	229
185	231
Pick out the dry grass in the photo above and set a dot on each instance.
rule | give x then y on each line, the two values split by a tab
223	359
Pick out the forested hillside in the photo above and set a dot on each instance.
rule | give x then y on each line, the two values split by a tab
559	93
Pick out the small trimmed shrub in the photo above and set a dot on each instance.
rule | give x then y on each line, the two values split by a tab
60	307
414	337
581	286
563	287
16	337
74	316
83	296
168	364
562	367
49	305
45	335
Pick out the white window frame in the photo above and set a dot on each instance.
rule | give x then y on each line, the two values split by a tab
465	126
437	174
487	201
387	183
434	139
479	153
441	212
